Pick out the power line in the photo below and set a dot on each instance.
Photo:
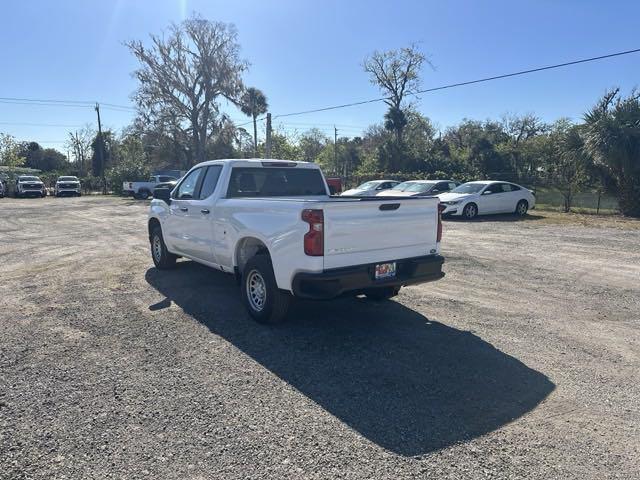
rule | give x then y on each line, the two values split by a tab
460	84
21	124
61	103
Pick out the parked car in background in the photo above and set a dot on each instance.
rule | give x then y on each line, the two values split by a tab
144	190
29	186
335	185
413	188
274	225
486	197
168	185
3	189
370	189
67	185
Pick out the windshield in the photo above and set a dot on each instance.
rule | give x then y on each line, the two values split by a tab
469	188
419	187
68	179
368	185
28	179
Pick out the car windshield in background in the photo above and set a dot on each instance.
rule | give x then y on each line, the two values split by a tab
368	185
29	179
469	188
275	182
68	179
401	187
419	187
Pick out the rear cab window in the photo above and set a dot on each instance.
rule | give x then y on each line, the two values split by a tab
275	182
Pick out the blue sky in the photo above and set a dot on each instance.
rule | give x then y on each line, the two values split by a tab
308	54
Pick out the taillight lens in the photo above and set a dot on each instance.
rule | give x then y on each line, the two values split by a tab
441	209
314	238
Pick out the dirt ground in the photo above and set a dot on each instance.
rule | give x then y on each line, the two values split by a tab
523	362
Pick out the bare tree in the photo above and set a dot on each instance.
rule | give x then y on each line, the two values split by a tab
183	74
397	74
79	143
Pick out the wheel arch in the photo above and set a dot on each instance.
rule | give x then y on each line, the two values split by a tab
246	248
153	223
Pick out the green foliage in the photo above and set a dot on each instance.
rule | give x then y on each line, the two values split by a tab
130	162
9	152
612	136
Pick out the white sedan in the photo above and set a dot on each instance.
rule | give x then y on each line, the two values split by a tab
485	197
370	189
416	188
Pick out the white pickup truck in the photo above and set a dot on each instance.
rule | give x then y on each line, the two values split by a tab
274	225
144	190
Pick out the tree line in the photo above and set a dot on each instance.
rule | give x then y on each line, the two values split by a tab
185	75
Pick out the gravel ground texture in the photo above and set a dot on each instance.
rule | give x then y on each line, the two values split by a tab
523	362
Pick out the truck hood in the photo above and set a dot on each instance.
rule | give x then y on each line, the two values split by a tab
452	197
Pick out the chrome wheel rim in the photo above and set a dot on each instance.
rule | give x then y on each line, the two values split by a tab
522	208
471	211
157	248
256	290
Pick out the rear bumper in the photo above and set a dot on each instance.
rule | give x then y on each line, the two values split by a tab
335	282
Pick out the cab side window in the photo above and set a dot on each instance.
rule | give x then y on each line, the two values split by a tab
187	188
210	181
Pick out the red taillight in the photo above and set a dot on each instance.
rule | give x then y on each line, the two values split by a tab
314	238
441	208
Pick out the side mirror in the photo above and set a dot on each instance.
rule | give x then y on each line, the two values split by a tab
487	192
435	190
163	194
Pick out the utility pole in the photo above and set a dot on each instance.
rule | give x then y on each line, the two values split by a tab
267	150
335	147
101	150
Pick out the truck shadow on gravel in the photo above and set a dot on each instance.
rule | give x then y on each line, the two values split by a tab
405	382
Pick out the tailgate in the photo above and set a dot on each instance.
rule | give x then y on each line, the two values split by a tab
373	231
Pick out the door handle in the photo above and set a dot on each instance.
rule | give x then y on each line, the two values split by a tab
204	210
184	209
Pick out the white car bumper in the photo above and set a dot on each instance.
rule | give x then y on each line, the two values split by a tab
453	209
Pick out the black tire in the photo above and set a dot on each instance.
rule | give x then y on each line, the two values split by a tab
381	293
267	304
144	194
470	211
522	208
163	259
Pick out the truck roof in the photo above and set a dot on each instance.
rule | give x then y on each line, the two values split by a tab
260	162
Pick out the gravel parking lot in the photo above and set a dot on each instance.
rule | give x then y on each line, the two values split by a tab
524	362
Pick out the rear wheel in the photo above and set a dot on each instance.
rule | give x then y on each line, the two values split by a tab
163	259
522	208
260	294
470	211
382	293
144	194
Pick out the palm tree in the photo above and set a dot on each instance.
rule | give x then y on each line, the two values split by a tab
612	137
254	103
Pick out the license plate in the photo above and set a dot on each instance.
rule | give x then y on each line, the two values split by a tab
385	270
